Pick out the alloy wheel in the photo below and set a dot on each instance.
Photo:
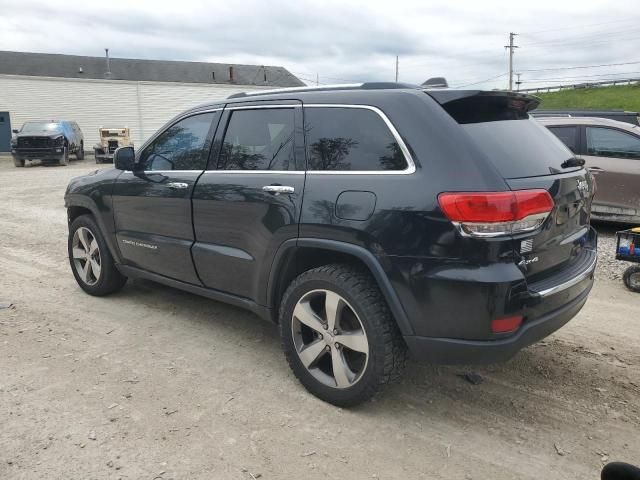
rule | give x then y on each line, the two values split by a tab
86	256
330	339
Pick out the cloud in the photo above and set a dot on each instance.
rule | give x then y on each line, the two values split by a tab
340	41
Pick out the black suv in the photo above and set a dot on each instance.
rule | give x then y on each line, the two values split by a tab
47	140
365	220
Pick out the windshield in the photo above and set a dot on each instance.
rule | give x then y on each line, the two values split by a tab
39	127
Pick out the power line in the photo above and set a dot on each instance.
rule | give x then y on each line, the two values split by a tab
578	67
564	28
482	81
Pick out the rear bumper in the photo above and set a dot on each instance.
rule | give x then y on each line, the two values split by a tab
454	351
452	324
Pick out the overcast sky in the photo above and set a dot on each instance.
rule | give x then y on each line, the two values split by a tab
345	41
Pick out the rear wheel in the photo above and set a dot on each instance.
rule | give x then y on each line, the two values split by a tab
64	160
631	278
338	335
80	152
91	261
18	162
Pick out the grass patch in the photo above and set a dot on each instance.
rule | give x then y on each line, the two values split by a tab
623	97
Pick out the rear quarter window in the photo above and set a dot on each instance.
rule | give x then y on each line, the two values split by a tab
519	148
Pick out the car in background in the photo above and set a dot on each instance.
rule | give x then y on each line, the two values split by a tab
47	140
611	151
619	115
110	140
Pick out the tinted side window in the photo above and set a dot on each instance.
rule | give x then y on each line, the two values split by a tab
260	139
606	142
349	139
567	135
183	146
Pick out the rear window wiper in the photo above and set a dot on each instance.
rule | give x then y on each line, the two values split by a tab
573	162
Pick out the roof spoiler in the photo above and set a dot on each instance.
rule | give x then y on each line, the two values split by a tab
476	106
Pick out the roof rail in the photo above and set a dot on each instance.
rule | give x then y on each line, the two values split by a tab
345	86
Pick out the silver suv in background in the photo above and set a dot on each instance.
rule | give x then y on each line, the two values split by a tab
611	151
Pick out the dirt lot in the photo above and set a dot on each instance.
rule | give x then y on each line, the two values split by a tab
157	383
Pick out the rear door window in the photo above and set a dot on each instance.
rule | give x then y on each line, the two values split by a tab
568	135
519	148
350	139
608	142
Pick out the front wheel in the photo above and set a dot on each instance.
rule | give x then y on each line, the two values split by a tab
18	162
631	278
91	261
338	335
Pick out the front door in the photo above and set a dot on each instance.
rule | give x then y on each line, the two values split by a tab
248	202
152	204
613	156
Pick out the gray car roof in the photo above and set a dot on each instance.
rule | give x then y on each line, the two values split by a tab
68	66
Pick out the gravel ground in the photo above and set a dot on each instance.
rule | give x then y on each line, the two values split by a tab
154	383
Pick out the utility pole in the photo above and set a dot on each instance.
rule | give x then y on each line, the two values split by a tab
397	68
511	48
317	79
108	72
518	82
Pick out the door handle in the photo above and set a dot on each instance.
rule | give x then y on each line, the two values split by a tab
278	189
596	169
177	185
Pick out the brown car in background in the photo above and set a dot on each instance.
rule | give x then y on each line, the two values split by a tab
611	151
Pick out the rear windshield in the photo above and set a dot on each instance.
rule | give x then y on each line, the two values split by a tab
519	148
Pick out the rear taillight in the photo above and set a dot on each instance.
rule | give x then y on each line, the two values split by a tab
491	214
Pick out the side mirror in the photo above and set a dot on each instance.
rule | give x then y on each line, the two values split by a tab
15	130
123	158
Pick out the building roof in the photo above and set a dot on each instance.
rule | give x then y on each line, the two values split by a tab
76	66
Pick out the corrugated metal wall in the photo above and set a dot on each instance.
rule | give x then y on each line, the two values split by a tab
142	106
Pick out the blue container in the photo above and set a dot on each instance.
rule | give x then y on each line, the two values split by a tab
623	251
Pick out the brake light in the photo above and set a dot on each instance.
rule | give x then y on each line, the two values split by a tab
506	325
491	214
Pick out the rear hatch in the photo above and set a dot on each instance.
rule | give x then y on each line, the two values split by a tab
528	156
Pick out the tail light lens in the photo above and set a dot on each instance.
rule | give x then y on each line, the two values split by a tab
491	214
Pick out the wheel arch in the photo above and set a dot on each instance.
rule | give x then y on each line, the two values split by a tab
77	206
298	255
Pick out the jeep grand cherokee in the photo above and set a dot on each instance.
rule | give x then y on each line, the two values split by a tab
365	220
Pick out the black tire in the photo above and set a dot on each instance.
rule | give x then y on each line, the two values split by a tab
64	160
110	279
18	162
386	348
80	152
631	278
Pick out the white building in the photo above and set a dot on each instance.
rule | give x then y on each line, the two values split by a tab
140	94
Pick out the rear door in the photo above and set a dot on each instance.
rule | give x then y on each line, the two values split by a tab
248	201
152	205
613	156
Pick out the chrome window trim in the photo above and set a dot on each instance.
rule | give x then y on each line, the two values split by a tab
411	166
257	107
281	172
